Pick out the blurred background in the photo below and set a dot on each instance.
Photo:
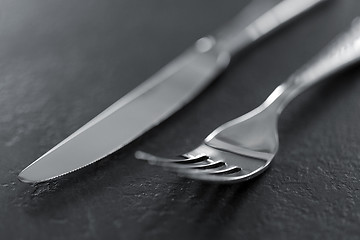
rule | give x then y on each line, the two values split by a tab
63	62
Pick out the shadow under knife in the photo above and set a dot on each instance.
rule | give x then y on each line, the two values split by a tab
85	183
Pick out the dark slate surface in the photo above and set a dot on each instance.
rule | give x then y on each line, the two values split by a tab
63	62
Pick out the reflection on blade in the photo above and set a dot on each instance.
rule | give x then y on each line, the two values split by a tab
164	93
131	116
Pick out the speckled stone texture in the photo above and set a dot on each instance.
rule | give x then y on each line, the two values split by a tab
63	62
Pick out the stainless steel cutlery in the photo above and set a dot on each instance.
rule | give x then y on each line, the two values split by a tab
244	147
165	92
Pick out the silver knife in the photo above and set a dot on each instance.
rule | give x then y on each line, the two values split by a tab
165	92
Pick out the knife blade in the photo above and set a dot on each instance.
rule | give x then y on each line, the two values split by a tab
164	93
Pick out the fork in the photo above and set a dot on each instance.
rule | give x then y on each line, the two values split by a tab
244	147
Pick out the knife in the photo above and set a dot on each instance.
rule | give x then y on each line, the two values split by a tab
165	92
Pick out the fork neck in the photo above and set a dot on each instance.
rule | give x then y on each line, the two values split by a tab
284	94
295	85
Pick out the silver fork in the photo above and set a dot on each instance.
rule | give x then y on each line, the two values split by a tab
244	147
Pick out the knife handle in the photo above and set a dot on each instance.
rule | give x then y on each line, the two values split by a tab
259	19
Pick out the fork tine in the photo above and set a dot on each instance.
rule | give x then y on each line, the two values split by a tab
200	167
216	171
191	163
205	165
215	177
155	159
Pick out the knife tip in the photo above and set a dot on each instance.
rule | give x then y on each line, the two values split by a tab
25	178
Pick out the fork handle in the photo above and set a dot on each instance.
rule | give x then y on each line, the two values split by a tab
339	54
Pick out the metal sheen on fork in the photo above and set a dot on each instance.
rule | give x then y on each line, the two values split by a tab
244	147
164	93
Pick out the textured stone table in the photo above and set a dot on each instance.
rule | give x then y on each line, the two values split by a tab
63	62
